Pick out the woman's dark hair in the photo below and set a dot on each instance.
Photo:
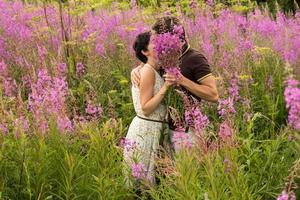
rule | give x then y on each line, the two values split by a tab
141	44
166	24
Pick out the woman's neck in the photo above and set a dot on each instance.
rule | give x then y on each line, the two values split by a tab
152	64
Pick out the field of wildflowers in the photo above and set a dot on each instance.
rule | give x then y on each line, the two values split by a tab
65	103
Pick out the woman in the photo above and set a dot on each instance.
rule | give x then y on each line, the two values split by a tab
146	128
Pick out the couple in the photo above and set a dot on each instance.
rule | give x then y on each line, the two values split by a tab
148	92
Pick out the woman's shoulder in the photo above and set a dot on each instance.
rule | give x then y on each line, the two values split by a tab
147	75
147	69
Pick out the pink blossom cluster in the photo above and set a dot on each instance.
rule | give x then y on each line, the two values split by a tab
292	99
48	99
194	118
285	196
168	50
94	112
8	83
233	90
226	107
181	140
128	144
225	132
138	170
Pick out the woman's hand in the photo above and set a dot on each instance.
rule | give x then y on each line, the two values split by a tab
168	84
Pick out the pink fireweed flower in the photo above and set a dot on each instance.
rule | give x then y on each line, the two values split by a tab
209	2
226	108
287	196
132	3
64	123
225	131
3	129
292	99
10	87
283	196
21	124
48	98
138	170
168	50
128	144
181	140
94	112
200	121
194	118
233	90
3	69
188	118
80	69
42	52
62	69
26	80
43	126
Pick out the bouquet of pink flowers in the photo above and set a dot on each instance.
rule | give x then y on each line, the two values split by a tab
168	48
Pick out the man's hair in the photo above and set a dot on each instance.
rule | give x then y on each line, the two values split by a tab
166	24
140	44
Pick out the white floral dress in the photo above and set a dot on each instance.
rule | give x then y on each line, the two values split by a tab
144	134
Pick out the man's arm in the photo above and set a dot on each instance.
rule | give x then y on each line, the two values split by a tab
206	89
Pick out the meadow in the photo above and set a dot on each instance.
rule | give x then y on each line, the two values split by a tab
65	102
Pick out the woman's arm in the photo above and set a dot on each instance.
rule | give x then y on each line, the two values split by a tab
149	102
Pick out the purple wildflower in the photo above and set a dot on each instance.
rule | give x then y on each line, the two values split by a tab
42	52
234	88
64	123
292	98
10	87
48	98
181	140
128	144
225	131
3	69
210	2
94	112
138	170
26	80
3	129
22	123
168	50
132	4
62	69
283	196
226	108
200	121
80	69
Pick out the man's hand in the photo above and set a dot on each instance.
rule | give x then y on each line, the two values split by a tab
135	75
172	78
206	89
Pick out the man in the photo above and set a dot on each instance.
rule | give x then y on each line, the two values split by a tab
196	78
